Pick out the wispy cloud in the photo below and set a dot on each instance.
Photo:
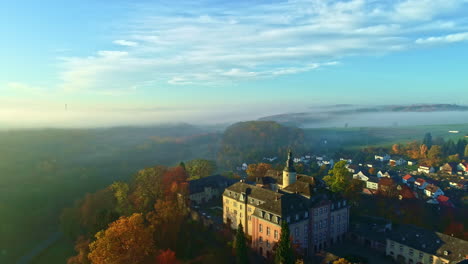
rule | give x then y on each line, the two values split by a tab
444	39
125	43
209	45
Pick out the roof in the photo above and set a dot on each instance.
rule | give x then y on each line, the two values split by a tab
420	181
453	165
432	188
214	181
442	198
373	179
406	192
430	242
407	177
234	191
386	181
301	187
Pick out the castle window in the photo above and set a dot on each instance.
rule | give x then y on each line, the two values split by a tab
276	234
296	232
260	228
315	212
268	231
267	244
421	255
321	210
297	217
288	219
306	214
260	240
325	209
332	219
411	251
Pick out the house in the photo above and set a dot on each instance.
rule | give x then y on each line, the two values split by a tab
349	161
408	179
361	176
449	168
411	162
352	167
382	157
397	161
372	183
411	244
462	168
330	162
244	166
204	189
371	232
461	184
425	169
420	183
444	201
433	191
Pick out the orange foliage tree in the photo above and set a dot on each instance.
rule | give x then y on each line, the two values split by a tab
127	240
82	247
167	257
257	170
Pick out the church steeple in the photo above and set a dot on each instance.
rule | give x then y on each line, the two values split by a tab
290	163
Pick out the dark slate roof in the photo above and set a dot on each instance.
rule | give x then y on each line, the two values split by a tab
214	181
286	206
276	175
373	179
234	191
430	242
302	188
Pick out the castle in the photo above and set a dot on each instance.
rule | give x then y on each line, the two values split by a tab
317	218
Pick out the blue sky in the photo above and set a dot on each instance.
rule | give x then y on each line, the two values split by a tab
218	60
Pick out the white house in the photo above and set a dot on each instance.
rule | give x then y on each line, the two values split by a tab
244	166
372	183
425	169
411	162
462	168
397	162
360	176
433	191
380	174
383	157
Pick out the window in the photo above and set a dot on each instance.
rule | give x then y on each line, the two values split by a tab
288	219
268	244
306	214
260	228
411	252
431	259
392	245
320	224
325	210
324	224
250	217
250	209
260	240
297	217
268	231
421	255
240	215
321	210
332	219
305	230
276	234
338	205
315	212
296	232
315	226
401	248
332	206
344	203
339	218
240	206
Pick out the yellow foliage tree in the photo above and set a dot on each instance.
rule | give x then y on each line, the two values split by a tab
127	240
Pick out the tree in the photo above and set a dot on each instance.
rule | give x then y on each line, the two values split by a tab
338	177
434	154
427	140
166	220
372	171
167	257
82	247
396	149
453	158
241	246
200	168
284	252
121	190
127	240
147	188
341	261
423	151
466	151
257	170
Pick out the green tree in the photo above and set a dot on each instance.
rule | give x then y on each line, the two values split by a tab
200	168
434	154
339	177
284	252
427	140
241	246
466	151
121	190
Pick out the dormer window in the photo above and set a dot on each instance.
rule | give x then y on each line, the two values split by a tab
268	217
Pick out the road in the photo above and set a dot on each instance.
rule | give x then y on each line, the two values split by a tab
39	248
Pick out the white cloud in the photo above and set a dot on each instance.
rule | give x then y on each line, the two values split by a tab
125	43
444	39
209	45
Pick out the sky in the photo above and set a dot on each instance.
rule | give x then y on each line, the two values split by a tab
142	62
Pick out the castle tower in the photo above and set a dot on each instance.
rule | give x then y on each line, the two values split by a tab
289	173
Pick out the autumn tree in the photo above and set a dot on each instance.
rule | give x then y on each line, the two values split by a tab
257	170
166	257
147	188
127	240
423	151
341	261
453	158
121	190
396	149
82	248
241	246
200	168
97	211
466	151
434	154
372	171
166	221
284	253
174	181
338	177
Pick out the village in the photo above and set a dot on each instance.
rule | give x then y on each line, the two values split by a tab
320	219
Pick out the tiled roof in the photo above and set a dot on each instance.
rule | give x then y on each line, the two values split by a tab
432	188
444	246
420	181
407	177
214	181
442	198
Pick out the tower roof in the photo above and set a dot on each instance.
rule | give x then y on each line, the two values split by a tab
290	163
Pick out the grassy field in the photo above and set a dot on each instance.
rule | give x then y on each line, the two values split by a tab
378	136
